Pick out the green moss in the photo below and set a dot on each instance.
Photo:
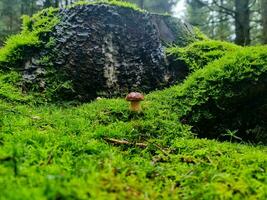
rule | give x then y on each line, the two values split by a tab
53	151
16	47
49	152
41	23
199	35
227	96
34	36
119	3
9	88
199	54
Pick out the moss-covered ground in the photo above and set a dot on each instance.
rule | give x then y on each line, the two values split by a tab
50	151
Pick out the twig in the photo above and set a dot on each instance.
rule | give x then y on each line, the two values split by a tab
7	158
142	145
124	142
159	148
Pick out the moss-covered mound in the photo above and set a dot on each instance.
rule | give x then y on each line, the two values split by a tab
226	97
198	54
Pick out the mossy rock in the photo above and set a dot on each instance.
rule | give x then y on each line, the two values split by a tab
96	49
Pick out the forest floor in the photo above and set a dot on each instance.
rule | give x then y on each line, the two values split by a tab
96	151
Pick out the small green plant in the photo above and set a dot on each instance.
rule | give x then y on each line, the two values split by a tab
232	135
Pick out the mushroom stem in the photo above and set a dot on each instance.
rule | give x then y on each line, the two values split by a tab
135	106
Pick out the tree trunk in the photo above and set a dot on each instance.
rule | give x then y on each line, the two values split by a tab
223	26
242	26
264	20
32	7
56	3
47	3
11	22
141	4
22	8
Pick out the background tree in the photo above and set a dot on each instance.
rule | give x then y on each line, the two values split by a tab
9	18
198	15
264	20
242	22
224	16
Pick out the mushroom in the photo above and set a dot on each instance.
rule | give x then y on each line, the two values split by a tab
135	98
98	98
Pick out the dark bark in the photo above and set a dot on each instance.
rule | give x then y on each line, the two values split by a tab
264	20
221	16
47	3
11	22
241	16
242	25
57	3
32	7
22	8
141	4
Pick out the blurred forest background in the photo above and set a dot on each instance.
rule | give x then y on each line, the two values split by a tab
241	21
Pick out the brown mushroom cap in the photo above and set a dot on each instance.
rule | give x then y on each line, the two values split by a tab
135	96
